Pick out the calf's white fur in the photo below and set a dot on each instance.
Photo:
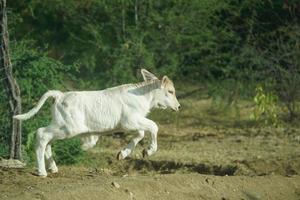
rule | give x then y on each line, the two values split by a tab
89	113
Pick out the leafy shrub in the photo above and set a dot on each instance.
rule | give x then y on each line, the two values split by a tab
68	151
4	150
265	107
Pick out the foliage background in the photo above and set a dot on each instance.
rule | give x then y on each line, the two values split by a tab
229	47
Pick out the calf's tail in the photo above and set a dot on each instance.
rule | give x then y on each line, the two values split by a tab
51	93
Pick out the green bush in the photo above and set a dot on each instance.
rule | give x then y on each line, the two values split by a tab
68	151
266	108
4	150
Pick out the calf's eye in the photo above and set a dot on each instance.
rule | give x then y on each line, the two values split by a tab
171	92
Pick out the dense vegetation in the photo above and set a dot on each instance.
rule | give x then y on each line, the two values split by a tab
237	48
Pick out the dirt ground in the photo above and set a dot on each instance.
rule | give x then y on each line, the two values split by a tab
77	183
200	156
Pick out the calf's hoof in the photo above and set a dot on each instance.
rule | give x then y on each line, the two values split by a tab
120	156
53	170
42	175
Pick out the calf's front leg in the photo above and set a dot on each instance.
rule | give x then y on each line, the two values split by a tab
153	129
142	124
129	148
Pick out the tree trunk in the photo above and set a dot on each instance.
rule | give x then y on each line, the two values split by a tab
136	15
11	85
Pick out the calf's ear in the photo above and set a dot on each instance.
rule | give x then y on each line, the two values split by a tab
147	76
165	80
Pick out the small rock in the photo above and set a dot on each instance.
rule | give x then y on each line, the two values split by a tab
29	187
206	180
130	194
116	185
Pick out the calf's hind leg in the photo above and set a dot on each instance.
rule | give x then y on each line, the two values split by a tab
88	141
49	159
43	137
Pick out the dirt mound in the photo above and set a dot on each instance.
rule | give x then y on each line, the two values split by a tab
11	163
170	167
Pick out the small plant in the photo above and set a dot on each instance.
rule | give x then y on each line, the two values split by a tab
68	152
265	107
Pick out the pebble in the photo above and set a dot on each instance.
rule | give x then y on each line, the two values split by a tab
130	194
116	185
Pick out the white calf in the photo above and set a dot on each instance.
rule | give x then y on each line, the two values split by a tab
88	113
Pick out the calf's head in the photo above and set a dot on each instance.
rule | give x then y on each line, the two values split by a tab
165	95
